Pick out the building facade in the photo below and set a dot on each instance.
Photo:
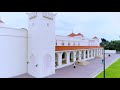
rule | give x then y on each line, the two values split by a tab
38	51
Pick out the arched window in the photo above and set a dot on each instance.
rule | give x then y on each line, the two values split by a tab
64	58
62	43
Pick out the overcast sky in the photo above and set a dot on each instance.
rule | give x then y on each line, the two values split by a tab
101	24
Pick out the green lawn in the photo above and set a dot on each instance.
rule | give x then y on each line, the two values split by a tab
113	71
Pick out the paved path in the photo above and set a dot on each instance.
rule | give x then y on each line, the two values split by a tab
89	71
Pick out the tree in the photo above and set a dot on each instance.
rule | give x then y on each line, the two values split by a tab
112	45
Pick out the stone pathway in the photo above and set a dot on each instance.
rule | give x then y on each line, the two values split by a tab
89	71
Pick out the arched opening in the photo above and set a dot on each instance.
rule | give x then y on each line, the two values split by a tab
82	54
71	56
56	59
93	53
64	58
90	53
77	55
86	54
96	52
68	43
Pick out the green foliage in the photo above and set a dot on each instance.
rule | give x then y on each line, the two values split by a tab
112	45
113	71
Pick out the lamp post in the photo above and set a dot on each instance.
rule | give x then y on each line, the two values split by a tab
103	62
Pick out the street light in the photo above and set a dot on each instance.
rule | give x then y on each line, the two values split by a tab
103	62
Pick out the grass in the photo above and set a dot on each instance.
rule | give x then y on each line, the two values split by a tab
113	71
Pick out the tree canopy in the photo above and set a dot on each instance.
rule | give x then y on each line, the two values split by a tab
112	45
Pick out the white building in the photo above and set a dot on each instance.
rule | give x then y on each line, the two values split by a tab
38	51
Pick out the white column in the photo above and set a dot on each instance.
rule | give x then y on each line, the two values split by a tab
101	51
68	57
60	58
94	52
84	55
80	52
91	53
98	51
74	56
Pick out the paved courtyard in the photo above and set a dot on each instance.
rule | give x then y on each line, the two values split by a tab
89	71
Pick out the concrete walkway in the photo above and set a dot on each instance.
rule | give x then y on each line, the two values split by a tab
89	71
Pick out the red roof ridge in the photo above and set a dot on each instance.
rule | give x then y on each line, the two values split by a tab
95	37
73	34
79	34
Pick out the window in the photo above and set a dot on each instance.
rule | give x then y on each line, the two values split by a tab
62	43
68	43
56	43
78	44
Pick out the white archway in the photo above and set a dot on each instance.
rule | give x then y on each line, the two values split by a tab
71	56
64	58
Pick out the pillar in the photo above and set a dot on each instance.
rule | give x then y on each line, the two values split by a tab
91	53
98	51
60	58
94	52
74	56
68	57
80	55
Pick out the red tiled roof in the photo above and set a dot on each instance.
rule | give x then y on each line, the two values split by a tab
79	34
63	48
72	34
95	37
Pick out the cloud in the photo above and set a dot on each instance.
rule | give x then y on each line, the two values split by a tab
100	24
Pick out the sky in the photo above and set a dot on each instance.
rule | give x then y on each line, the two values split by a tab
101	24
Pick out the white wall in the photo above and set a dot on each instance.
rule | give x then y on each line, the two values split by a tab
13	52
110	51
41	44
85	42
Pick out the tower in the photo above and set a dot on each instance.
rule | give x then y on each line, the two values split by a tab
41	44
